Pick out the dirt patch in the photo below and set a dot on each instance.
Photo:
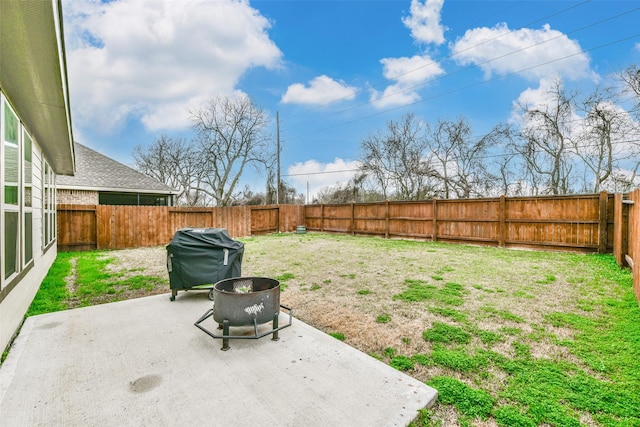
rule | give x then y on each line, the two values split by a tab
149	261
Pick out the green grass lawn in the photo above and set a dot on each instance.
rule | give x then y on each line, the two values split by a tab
508	338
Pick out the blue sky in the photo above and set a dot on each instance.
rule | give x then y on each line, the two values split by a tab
333	70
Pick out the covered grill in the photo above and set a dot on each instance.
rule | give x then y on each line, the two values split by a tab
197	257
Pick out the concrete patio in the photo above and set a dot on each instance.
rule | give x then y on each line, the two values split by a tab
143	362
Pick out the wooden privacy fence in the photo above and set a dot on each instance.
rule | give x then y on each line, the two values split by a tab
87	227
601	223
578	223
626	247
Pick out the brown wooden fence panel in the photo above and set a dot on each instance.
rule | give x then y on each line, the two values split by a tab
313	217
413	220
290	217
571	222
235	219
473	220
121	227
337	218
264	219
76	227
189	217
370	219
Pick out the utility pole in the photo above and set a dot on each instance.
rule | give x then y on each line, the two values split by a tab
278	139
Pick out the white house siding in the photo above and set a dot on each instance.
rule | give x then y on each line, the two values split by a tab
16	303
17	294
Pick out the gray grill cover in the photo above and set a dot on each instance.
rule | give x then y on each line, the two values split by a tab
201	256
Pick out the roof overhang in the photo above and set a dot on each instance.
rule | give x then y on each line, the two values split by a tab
33	76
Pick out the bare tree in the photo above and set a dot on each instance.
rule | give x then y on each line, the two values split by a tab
396	159
350	192
461	164
604	123
546	148
174	163
231	136
506	169
631	79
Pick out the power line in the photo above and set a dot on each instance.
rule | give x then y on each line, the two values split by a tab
385	81
322	173
455	90
412	88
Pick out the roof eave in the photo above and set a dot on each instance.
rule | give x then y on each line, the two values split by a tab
33	76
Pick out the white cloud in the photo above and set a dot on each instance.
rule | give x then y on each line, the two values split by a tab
539	98
321	90
534	54
543	98
317	175
153	60
409	74
424	21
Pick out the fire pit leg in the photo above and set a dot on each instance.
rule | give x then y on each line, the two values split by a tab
225	333
275	328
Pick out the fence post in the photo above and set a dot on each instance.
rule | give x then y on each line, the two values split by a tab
386	219
502	230
634	240
322	218
619	250
97	219
353	219
602	227
434	235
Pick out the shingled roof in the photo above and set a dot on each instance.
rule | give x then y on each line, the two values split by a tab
95	171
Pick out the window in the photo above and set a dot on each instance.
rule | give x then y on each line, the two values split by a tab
16	194
27	196
132	199
48	205
10	185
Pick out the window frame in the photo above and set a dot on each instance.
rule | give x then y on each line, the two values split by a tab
27	201
49	229
8	206
16	209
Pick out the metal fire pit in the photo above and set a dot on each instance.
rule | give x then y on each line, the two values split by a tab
245	301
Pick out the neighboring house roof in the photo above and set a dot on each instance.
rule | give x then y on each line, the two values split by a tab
34	76
95	171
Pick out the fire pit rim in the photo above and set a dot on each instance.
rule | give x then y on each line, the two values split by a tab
252	292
